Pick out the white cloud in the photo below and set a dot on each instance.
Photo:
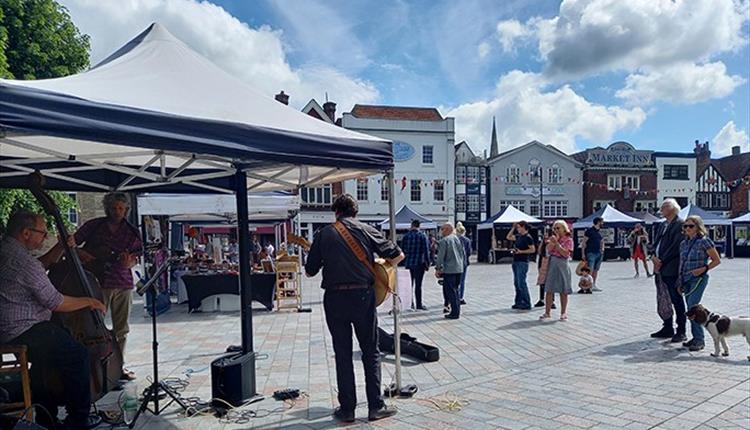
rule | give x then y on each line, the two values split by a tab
483	50
255	55
509	31
683	83
730	136
526	109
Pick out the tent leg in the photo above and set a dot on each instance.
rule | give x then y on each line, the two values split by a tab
396	299
243	238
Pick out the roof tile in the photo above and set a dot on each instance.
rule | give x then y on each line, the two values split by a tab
396	113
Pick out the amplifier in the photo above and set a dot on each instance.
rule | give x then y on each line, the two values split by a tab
233	379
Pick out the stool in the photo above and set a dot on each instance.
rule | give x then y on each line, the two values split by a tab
19	365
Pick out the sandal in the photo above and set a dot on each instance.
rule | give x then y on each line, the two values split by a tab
564	317
544	316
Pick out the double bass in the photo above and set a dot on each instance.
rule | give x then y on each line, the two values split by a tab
86	325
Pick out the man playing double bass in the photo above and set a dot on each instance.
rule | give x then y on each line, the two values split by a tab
27	300
111	247
349	301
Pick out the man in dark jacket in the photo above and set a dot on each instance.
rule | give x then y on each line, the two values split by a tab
349	301
417	251
666	261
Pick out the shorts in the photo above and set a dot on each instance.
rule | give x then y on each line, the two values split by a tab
594	260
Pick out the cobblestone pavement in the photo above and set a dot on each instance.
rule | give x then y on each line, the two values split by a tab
498	368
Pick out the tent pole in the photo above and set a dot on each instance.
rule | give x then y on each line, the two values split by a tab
243	238
396	299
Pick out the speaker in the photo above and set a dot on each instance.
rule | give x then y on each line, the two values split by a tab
233	379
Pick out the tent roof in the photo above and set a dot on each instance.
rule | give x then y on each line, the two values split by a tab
405	216
611	216
743	218
509	215
645	217
708	218
271	205
157	114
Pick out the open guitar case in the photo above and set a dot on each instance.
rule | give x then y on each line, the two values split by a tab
409	347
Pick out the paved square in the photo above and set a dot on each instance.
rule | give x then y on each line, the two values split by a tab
499	369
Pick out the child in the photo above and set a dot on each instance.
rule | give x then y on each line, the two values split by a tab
586	281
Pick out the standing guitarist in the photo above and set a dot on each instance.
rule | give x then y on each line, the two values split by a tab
111	248
349	301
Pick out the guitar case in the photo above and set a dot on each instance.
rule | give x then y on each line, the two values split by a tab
409	347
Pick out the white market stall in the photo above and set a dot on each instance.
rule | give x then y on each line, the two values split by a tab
617	226
492	245
741	236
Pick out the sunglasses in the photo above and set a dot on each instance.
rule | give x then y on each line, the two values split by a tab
686	226
44	233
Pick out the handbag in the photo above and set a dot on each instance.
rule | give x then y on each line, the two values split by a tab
384	272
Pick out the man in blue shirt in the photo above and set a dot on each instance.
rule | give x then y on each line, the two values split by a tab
416	249
593	249
523	246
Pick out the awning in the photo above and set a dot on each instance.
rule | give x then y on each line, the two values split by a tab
202	207
508	216
645	217
405	216
707	217
743	218
612	218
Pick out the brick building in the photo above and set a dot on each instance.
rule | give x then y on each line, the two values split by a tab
723	184
619	175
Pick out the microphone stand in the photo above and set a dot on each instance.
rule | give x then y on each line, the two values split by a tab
157	387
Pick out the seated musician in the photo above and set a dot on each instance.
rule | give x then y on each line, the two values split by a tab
27	300
113	238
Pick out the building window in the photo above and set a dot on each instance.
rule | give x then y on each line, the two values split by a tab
598	204
472	175
460	174
482	175
533	208
713	200
554	174
555	208
618	182
518	204
427	155
513	174
73	212
461	203
472	203
416	190
535	171
645	206
677	172
439	190
317	195
362	189
384	185
483	203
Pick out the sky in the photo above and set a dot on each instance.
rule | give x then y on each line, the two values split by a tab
572	73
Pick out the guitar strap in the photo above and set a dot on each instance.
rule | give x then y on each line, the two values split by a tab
354	246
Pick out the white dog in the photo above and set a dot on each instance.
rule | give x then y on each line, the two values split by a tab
720	327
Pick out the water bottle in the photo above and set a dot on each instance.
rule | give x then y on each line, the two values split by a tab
129	401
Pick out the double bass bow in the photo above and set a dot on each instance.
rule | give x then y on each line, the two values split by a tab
85	325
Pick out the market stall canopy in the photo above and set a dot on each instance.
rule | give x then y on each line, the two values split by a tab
405	216
157	115
708	217
508	216
200	207
645	217
743	218
612	218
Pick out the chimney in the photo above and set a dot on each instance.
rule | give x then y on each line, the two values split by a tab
330	109
282	98
736	150
702	156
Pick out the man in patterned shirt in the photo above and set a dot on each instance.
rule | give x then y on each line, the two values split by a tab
417	252
27	300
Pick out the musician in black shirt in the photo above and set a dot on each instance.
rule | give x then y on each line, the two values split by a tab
349	301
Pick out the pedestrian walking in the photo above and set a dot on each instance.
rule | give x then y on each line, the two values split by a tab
523	246
466	242
449	264
559	277
638	240
593	249
666	260
416	248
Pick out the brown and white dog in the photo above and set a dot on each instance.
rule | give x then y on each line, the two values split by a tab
720	326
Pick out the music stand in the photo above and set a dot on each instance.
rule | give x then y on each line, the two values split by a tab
157	387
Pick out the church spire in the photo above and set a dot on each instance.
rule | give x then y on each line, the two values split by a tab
493	145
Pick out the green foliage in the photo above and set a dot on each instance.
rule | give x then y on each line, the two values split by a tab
4	72
41	40
14	199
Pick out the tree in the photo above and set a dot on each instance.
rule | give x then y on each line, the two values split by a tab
38	40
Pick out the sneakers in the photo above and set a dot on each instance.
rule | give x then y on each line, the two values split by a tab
539	304
344	416
679	337
696	346
664	333
446	309
379	414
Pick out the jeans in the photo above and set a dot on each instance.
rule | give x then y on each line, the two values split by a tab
693	290
520	270
55	355
594	260
677	301
417	275
462	284
450	291
346	309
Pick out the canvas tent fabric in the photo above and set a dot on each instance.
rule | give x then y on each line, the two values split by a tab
612	218
744	219
508	216
645	217
708	218
157	114
201	207
405	216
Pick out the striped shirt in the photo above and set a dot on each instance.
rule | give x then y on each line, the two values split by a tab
27	296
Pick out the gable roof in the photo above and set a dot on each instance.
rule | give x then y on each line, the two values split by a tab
733	167
314	109
405	216
518	149
463	143
612	217
508	216
396	113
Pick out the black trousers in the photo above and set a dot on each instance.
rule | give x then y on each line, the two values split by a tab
53	353
451	282
678	301
347	309
417	276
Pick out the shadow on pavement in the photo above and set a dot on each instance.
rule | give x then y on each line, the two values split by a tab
649	351
520	325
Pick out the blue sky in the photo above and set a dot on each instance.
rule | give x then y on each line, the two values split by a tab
577	73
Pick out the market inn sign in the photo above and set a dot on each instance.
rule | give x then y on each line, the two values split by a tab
619	154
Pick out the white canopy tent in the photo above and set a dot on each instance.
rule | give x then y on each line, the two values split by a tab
508	216
179	207
611	216
743	218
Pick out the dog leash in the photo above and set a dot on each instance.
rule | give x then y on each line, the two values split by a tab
697	284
